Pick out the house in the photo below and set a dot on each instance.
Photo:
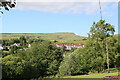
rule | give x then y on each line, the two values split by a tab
29	45
1	47
15	44
69	46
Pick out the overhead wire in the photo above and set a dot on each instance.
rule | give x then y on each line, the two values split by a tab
100	9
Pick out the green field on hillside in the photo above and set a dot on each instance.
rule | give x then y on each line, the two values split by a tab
63	37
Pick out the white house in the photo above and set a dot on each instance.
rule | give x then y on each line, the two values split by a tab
1	47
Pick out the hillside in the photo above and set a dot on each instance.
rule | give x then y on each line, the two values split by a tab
60	37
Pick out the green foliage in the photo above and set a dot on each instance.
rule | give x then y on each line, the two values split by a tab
93	57
101	38
13	49
13	66
101	30
74	65
41	60
23	41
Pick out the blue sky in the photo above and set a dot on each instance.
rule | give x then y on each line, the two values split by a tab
50	18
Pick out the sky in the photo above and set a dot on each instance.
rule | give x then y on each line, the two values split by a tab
38	16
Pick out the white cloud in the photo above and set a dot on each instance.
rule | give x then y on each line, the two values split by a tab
63	6
55	7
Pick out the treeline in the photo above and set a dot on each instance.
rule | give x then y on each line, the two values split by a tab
18	43
23	40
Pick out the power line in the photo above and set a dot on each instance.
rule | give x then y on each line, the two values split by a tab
100	10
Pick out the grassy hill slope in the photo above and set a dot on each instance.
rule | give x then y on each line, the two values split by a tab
60	37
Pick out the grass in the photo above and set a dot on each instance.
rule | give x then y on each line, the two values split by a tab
99	75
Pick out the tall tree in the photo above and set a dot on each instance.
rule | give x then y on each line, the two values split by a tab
100	32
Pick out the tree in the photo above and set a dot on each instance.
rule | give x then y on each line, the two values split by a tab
13	49
13	67
23	41
41	60
49	55
74	64
100	31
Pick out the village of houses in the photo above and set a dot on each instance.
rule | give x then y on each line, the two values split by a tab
61	45
65	46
